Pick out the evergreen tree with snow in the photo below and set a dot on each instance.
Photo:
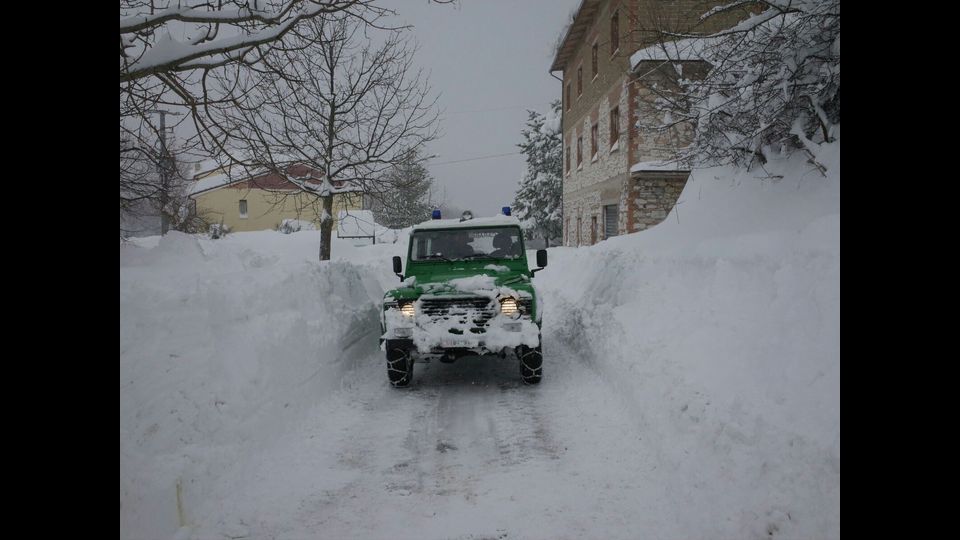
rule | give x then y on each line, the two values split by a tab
539	201
407	195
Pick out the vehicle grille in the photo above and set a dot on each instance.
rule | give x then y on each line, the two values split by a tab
468	313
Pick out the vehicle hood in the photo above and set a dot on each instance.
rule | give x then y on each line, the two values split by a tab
454	282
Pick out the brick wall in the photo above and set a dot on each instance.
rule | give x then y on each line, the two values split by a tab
649	200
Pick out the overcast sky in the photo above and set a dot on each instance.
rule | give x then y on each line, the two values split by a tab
488	60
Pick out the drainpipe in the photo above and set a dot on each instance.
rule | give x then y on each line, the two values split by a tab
563	113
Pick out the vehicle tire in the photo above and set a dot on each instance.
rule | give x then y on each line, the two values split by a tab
399	365
531	363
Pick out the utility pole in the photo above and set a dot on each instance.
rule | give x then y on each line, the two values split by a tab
163	167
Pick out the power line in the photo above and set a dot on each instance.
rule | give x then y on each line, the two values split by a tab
531	107
477	158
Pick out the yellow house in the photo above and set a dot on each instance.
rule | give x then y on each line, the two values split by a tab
262	201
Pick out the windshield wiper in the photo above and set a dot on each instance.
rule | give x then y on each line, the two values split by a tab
478	256
434	258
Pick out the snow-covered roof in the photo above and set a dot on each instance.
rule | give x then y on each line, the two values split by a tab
575	32
265	179
494	221
682	50
656	166
203	166
210	182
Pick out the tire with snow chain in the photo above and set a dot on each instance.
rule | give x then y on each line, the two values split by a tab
531	363
399	365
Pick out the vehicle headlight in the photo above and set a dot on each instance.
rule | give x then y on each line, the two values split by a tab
407	309
510	308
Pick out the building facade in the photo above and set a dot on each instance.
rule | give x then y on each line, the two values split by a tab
615	179
263	201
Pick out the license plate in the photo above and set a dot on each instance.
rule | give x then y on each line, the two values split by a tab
457	343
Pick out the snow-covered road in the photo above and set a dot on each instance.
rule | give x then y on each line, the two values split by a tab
467	451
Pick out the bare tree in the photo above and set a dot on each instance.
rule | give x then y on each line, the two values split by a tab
215	34
174	55
139	184
347	107
169	50
154	190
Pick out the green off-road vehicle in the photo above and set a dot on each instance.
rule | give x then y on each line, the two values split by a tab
467	291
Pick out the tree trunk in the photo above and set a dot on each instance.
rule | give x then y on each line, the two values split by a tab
326	228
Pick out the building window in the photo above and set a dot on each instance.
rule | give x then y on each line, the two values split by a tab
579	81
614	125
568	158
611	218
615	32
579	150
243	208
568	96
593	230
593	59
594	143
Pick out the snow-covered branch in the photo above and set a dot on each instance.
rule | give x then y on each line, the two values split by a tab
772	84
148	46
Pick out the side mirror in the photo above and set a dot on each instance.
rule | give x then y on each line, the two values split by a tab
397	267
541	261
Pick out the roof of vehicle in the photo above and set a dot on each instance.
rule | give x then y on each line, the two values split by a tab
495	221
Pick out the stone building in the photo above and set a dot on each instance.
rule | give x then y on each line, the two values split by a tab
611	56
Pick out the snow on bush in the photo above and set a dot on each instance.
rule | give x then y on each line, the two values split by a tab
288	226
218	230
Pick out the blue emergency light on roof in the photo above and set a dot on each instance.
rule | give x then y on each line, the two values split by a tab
506	210
436	214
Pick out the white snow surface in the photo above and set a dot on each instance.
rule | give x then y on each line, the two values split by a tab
474	284
691	386
655	166
491	221
679	50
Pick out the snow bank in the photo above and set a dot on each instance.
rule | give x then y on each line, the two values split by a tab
721	328
223	345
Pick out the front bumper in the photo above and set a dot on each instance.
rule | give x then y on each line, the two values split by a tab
500	333
466	323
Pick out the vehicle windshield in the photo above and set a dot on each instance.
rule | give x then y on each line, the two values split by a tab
467	244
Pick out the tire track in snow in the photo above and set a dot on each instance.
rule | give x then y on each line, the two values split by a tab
467	451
